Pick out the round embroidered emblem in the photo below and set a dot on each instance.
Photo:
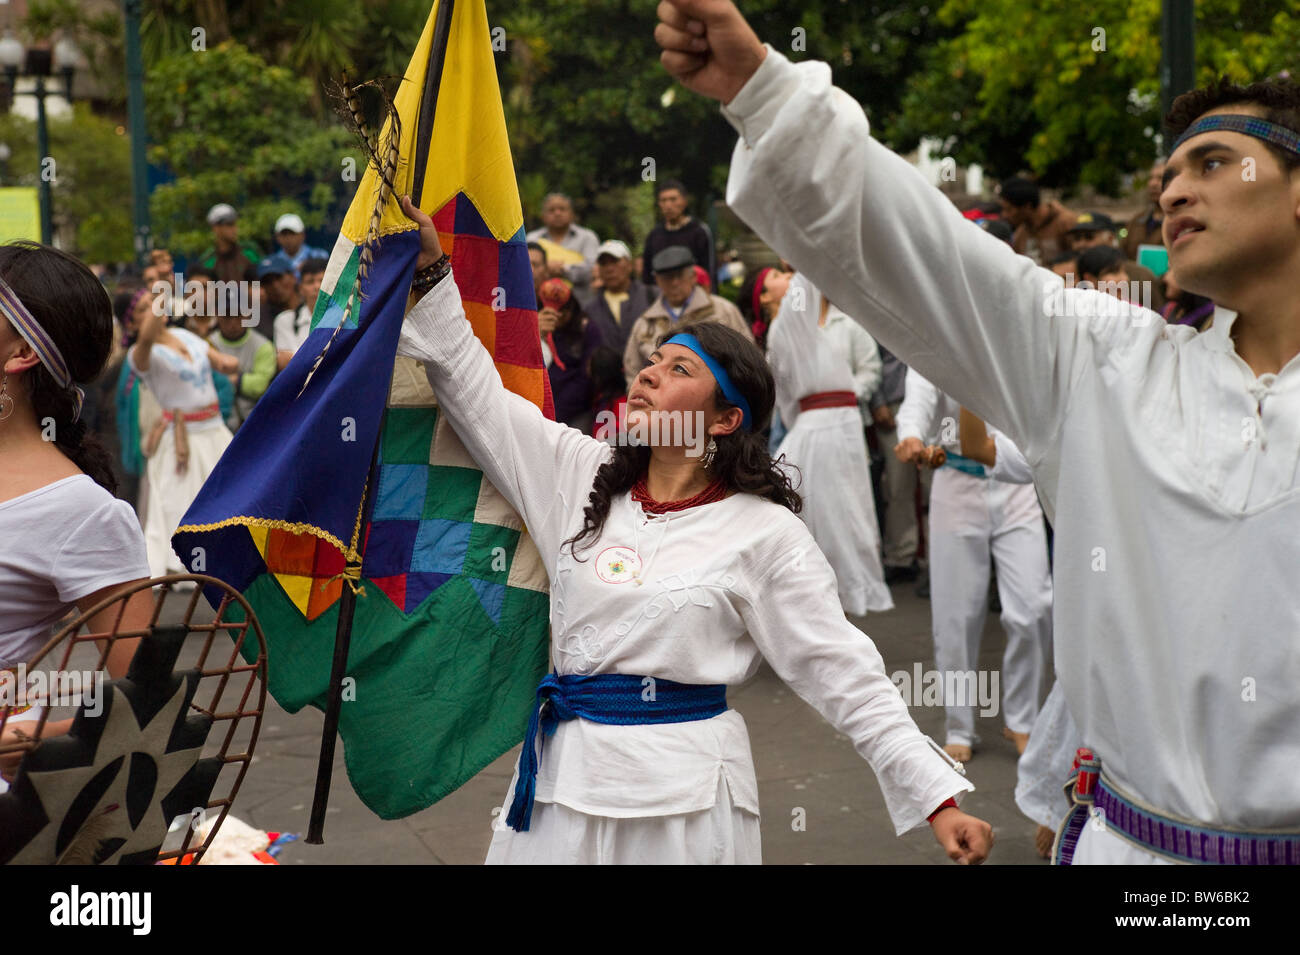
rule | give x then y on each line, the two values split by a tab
617	565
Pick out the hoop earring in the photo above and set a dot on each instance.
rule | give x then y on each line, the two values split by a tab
6	400
711	449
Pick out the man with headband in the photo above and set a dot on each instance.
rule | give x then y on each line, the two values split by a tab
1183	685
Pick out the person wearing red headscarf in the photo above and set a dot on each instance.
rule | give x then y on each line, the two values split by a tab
568	340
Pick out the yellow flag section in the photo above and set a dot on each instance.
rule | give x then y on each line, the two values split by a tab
469	112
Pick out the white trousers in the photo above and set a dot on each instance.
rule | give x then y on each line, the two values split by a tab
971	518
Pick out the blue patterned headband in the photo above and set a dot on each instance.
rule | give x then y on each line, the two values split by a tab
729	390
1288	139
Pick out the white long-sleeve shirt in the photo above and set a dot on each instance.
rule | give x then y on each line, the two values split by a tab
848	361
721	586
1169	469
934	418
928	414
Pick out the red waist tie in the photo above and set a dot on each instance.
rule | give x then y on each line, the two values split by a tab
203	414
828	399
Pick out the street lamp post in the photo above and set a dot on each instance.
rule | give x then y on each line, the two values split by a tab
135	118
38	63
1177	50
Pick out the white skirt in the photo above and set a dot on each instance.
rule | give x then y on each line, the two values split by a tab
558	835
834	479
171	494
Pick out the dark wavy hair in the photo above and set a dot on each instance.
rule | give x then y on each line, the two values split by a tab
742	460
745	302
73	307
1099	260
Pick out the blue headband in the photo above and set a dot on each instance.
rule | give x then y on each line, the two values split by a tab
1288	139
729	391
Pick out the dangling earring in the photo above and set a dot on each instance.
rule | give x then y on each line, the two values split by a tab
711	449
6	400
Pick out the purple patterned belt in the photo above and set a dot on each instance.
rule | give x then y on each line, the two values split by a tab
1171	838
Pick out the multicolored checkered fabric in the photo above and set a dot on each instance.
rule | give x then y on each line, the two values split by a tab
434	516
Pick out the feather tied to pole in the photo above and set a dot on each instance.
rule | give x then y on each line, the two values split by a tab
384	156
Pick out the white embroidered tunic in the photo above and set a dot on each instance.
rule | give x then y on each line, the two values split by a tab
1170	471
698	596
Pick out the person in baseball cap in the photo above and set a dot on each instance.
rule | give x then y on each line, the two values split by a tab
1093	228
222	214
275	264
1098	229
229	259
291	235
622	296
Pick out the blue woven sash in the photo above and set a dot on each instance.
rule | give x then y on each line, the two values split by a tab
617	698
964	464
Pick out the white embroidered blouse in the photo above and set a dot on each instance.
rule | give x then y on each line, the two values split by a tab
697	596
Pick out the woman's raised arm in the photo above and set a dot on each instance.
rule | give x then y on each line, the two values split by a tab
535	463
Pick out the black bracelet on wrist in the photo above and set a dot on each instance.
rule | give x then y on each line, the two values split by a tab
429	276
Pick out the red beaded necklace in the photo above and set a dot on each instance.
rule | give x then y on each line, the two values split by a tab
641	494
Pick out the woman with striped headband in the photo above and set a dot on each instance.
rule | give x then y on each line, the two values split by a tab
824	364
66	542
673	575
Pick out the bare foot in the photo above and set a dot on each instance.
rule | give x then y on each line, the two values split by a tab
1020	739
1043	839
958	751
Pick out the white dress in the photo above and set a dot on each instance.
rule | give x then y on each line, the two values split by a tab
1169	469
699	596
826	447
179	383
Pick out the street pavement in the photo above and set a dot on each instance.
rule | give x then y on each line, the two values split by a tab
819	799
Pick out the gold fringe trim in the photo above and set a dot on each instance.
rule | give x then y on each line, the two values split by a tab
272	523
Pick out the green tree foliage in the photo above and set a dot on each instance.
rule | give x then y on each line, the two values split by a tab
1072	94
317	40
586	100
96	31
588	103
236	129
91	174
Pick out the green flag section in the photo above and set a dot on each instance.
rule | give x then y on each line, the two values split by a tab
420	716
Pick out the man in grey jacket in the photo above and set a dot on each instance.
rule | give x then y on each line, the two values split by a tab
680	299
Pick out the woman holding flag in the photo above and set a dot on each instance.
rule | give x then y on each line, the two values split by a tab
673	574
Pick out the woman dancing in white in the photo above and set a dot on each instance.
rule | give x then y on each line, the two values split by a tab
672	576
